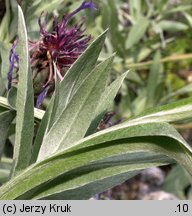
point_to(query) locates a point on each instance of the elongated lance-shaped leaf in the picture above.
(94, 188)
(106, 102)
(110, 18)
(4, 27)
(171, 26)
(184, 90)
(79, 71)
(173, 112)
(12, 97)
(35, 8)
(4, 51)
(97, 179)
(137, 32)
(72, 80)
(5, 121)
(24, 103)
(153, 80)
(55, 100)
(47, 120)
(105, 154)
(179, 8)
(74, 121)
(41, 131)
(188, 18)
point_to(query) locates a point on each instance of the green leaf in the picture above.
(153, 80)
(78, 72)
(47, 121)
(145, 52)
(55, 101)
(69, 85)
(4, 27)
(137, 32)
(2, 86)
(93, 188)
(41, 131)
(38, 6)
(188, 18)
(106, 102)
(108, 153)
(172, 26)
(172, 112)
(5, 121)
(88, 183)
(139, 103)
(177, 181)
(180, 8)
(184, 90)
(4, 175)
(135, 8)
(12, 97)
(4, 50)
(110, 19)
(24, 103)
(74, 121)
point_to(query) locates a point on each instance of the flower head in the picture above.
(41, 96)
(60, 46)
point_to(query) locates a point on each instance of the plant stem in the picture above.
(6, 160)
(37, 112)
(163, 60)
(183, 126)
(4, 103)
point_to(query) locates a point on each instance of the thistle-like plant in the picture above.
(60, 46)
(67, 158)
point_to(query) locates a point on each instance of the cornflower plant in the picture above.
(70, 157)
(62, 46)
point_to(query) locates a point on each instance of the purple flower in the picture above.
(62, 46)
(14, 61)
(41, 96)
(83, 6)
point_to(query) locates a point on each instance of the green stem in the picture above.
(6, 160)
(37, 112)
(4, 103)
(166, 59)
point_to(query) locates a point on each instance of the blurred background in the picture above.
(153, 40)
